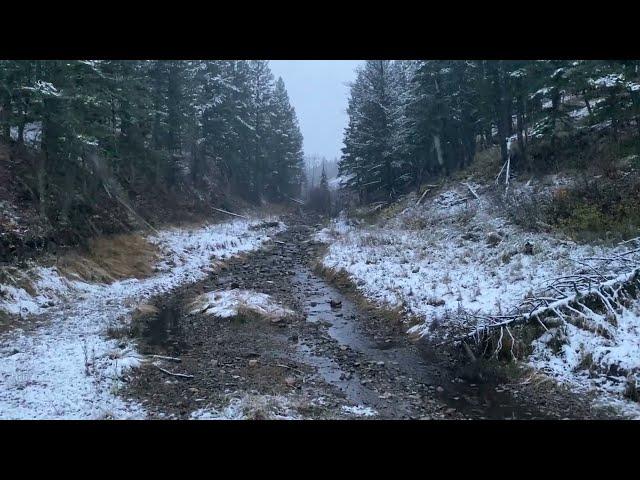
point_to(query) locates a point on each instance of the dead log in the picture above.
(554, 308)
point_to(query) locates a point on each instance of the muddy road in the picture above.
(335, 358)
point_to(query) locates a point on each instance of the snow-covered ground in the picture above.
(271, 407)
(68, 368)
(359, 411)
(454, 257)
(227, 303)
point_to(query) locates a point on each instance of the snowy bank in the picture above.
(68, 368)
(453, 258)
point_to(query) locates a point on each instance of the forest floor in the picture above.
(236, 322)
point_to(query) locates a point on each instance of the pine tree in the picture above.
(325, 194)
(370, 137)
(284, 146)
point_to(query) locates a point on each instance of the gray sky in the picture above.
(318, 92)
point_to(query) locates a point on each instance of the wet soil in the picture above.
(332, 355)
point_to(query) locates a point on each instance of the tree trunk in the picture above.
(5, 126)
(503, 117)
(520, 129)
(586, 102)
(41, 175)
(23, 123)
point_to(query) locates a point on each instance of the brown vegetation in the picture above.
(111, 258)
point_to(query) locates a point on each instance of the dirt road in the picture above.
(333, 359)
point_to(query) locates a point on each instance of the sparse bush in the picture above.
(586, 363)
(118, 331)
(631, 388)
(557, 341)
(598, 209)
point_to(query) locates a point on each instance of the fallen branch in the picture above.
(170, 359)
(181, 375)
(554, 308)
(636, 239)
(423, 195)
(231, 213)
(300, 202)
(473, 192)
(500, 173)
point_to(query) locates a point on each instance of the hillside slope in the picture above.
(458, 263)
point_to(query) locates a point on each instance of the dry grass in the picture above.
(111, 258)
(18, 278)
(395, 317)
(485, 166)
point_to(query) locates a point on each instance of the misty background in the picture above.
(319, 90)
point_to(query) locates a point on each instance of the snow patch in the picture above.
(268, 407)
(227, 303)
(359, 411)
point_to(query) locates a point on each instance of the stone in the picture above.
(528, 248)
(493, 239)
(335, 303)
(435, 302)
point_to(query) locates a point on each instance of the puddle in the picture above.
(331, 373)
(164, 330)
(475, 400)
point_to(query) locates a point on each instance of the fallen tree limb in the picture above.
(231, 213)
(300, 202)
(555, 308)
(170, 359)
(422, 196)
(181, 375)
(636, 239)
(473, 192)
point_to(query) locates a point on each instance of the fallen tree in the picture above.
(588, 299)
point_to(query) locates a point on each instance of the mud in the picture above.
(333, 355)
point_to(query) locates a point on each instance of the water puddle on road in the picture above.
(484, 400)
(164, 330)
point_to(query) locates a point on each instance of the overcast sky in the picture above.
(318, 92)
